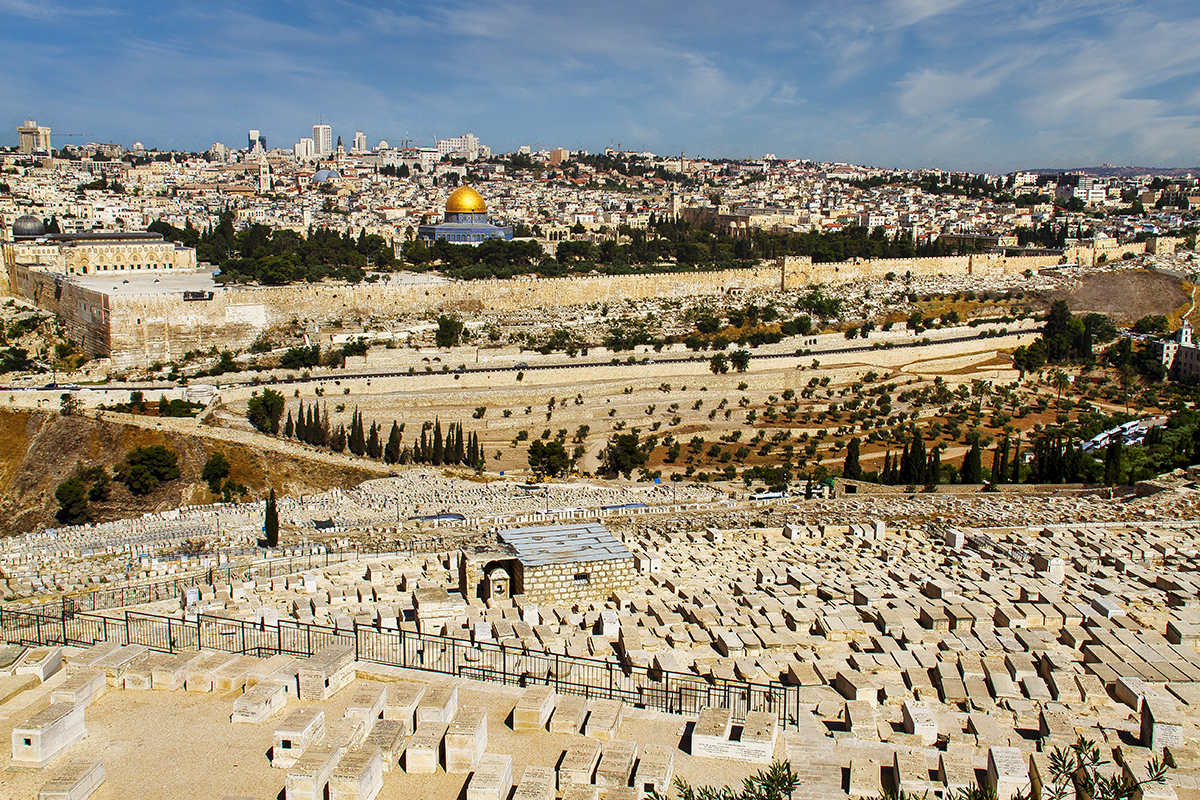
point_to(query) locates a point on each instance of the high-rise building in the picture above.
(360, 143)
(33, 138)
(465, 146)
(322, 140)
(304, 150)
(252, 139)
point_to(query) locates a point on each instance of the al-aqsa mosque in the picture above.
(466, 221)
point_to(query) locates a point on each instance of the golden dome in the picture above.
(465, 200)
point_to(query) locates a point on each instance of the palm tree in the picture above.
(1060, 381)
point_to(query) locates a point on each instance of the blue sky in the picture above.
(956, 84)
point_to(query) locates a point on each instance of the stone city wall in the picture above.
(148, 328)
(85, 313)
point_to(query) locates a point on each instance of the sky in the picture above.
(950, 84)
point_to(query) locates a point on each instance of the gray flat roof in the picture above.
(544, 545)
(126, 283)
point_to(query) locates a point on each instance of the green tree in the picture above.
(718, 364)
(548, 458)
(623, 455)
(740, 359)
(449, 331)
(265, 410)
(271, 521)
(391, 453)
(72, 501)
(145, 468)
(852, 469)
(972, 469)
(216, 469)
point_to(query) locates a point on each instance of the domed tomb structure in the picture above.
(466, 221)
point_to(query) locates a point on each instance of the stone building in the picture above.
(550, 563)
(1179, 354)
(92, 253)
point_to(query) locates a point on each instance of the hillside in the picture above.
(43, 449)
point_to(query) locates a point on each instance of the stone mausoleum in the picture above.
(466, 221)
(549, 563)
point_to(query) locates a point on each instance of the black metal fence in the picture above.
(672, 692)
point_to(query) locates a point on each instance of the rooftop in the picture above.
(564, 544)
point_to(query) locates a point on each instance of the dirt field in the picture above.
(43, 449)
(1126, 296)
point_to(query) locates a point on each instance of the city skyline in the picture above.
(906, 83)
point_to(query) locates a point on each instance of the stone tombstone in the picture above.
(1008, 774)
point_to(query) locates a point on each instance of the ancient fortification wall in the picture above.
(139, 330)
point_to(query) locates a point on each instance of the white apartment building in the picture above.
(360, 143)
(304, 150)
(465, 146)
(322, 140)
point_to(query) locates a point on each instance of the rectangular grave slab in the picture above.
(90, 656)
(466, 739)
(579, 763)
(1008, 773)
(655, 769)
(80, 688)
(492, 779)
(326, 673)
(388, 735)
(1162, 725)
(439, 704)
(138, 679)
(759, 732)
(423, 755)
(232, 676)
(299, 730)
(115, 663)
(865, 781)
(202, 671)
(710, 735)
(912, 772)
(533, 709)
(75, 780)
(604, 718)
(274, 668)
(367, 703)
(580, 791)
(569, 712)
(955, 771)
(309, 778)
(170, 672)
(920, 722)
(616, 763)
(41, 662)
(259, 703)
(47, 734)
(358, 775)
(402, 701)
(537, 783)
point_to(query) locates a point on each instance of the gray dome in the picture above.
(28, 227)
(326, 175)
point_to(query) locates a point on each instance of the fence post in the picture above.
(37, 623)
(356, 650)
(242, 626)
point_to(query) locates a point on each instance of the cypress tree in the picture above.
(972, 471)
(391, 453)
(916, 457)
(338, 441)
(1016, 460)
(301, 433)
(1001, 475)
(460, 454)
(421, 453)
(887, 468)
(288, 427)
(325, 429)
(852, 469)
(933, 472)
(374, 446)
(439, 447)
(312, 427)
(271, 521)
(358, 444)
